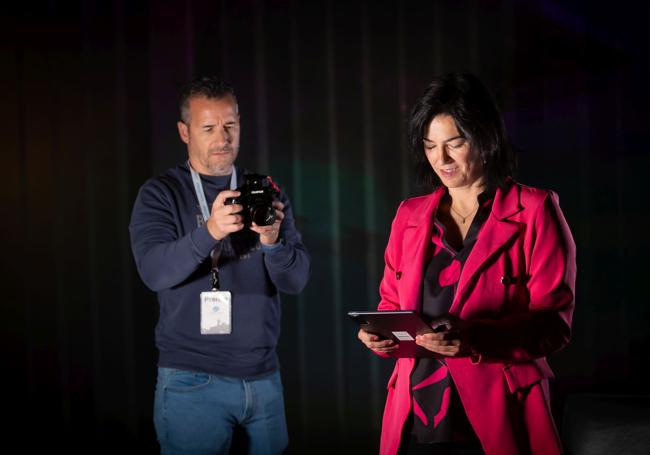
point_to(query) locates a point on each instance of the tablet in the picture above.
(400, 326)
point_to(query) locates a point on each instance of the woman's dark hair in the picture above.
(210, 87)
(467, 101)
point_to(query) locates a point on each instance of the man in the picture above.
(217, 278)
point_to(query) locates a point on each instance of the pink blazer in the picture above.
(516, 290)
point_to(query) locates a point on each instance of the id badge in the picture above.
(216, 313)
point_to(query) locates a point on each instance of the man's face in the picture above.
(212, 135)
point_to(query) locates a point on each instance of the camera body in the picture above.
(256, 197)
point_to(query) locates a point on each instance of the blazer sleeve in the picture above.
(546, 325)
(388, 292)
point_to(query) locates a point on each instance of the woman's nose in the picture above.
(443, 157)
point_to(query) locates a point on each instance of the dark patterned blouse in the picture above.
(438, 415)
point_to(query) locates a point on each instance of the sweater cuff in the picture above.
(275, 246)
(203, 241)
(279, 254)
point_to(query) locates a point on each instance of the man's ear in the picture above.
(183, 132)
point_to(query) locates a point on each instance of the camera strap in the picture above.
(205, 211)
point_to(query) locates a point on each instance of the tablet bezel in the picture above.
(392, 324)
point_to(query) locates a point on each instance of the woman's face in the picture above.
(451, 155)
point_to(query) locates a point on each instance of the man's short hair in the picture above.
(210, 87)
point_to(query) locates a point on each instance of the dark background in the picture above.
(88, 114)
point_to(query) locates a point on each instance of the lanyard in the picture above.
(200, 195)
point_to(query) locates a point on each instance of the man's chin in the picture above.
(221, 159)
(222, 167)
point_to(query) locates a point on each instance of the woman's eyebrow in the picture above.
(446, 140)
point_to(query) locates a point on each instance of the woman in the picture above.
(492, 264)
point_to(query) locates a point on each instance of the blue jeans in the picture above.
(196, 413)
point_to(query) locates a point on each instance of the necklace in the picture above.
(463, 218)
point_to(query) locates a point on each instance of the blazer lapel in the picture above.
(496, 232)
(414, 250)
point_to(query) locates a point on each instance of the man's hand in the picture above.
(224, 219)
(376, 343)
(269, 234)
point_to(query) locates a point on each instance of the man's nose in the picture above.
(223, 137)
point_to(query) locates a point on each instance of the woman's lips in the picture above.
(449, 172)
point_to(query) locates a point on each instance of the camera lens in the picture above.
(263, 216)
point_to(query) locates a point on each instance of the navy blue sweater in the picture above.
(172, 254)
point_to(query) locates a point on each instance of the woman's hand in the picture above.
(376, 343)
(449, 338)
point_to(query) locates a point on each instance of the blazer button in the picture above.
(505, 280)
(398, 275)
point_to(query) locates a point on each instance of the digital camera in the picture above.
(256, 196)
